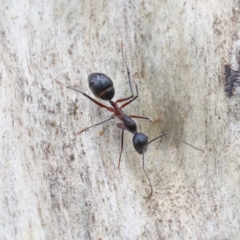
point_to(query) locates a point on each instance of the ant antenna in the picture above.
(147, 177)
(179, 139)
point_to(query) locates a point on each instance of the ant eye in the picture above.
(91, 83)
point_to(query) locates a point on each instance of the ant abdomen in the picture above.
(101, 86)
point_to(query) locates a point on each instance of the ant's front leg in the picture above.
(122, 127)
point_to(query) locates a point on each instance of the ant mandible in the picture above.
(102, 87)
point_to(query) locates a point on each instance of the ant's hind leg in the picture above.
(84, 94)
(112, 117)
(130, 85)
(128, 73)
(146, 118)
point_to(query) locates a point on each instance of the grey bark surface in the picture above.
(56, 184)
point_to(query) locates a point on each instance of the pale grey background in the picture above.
(59, 185)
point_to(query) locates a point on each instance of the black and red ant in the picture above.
(102, 87)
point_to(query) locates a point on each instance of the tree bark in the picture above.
(57, 184)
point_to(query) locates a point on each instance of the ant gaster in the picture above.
(102, 87)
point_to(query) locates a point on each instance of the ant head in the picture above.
(101, 86)
(140, 142)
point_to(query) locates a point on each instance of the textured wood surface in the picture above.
(56, 184)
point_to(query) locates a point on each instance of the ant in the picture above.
(102, 87)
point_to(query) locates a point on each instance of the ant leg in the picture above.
(134, 116)
(129, 81)
(128, 73)
(122, 127)
(147, 177)
(125, 104)
(179, 139)
(121, 151)
(96, 102)
(125, 99)
(112, 117)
